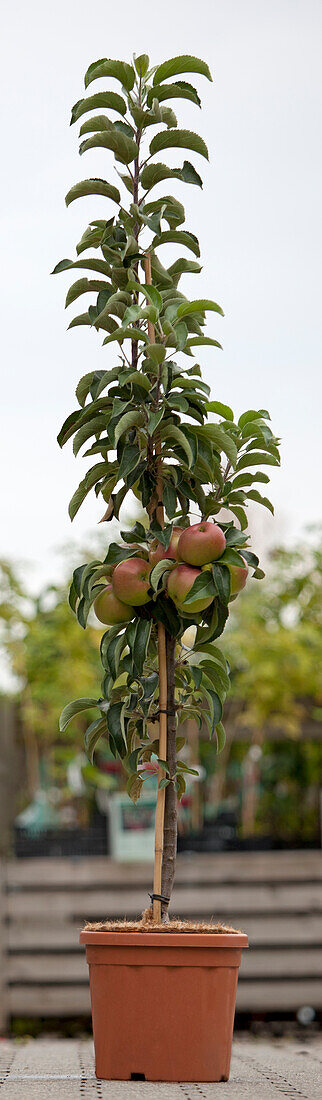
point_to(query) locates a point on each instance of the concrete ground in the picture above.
(39, 1068)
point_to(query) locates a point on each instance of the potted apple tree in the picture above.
(148, 426)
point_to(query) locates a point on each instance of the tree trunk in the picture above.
(170, 815)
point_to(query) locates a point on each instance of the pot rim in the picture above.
(164, 939)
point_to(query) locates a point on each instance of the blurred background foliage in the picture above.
(274, 642)
(266, 781)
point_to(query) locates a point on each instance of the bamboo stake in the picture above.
(162, 663)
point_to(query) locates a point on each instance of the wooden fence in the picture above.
(276, 897)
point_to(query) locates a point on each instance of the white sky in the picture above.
(258, 221)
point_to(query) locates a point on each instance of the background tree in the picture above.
(275, 644)
(44, 656)
(148, 421)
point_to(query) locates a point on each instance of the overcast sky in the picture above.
(258, 220)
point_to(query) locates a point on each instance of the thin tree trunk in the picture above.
(170, 813)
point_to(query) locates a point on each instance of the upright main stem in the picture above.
(170, 813)
(163, 693)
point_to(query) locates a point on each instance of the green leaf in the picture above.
(171, 432)
(221, 737)
(129, 461)
(222, 410)
(131, 419)
(93, 735)
(180, 90)
(251, 414)
(113, 653)
(256, 459)
(248, 479)
(117, 553)
(98, 122)
(83, 609)
(221, 440)
(155, 173)
(106, 641)
(120, 70)
(185, 63)
(168, 117)
(90, 264)
(84, 487)
(142, 64)
(181, 266)
(115, 723)
(106, 377)
(111, 100)
(83, 387)
(233, 536)
(123, 147)
(151, 294)
(169, 499)
(84, 286)
(154, 420)
(198, 306)
(85, 432)
(166, 613)
(141, 642)
(198, 340)
(121, 334)
(74, 708)
(202, 586)
(183, 767)
(218, 675)
(81, 319)
(156, 352)
(231, 557)
(181, 236)
(134, 787)
(92, 187)
(115, 303)
(160, 570)
(180, 786)
(207, 633)
(254, 495)
(212, 651)
(179, 139)
(240, 515)
(134, 534)
(251, 558)
(221, 577)
(137, 378)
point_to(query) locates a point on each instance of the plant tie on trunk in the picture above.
(159, 897)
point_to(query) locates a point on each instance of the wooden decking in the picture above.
(275, 897)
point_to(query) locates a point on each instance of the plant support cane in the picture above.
(148, 425)
(162, 667)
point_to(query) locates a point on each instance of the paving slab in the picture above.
(39, 1068)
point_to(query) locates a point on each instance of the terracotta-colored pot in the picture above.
(163, 1003)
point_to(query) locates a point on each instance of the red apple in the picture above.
(158, 553)
(238, 577)
(201, 543)
(180, 582)
(131, 581)
(110, 610)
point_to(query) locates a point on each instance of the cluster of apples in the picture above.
(193, 548)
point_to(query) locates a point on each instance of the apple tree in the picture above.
(148, 425)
